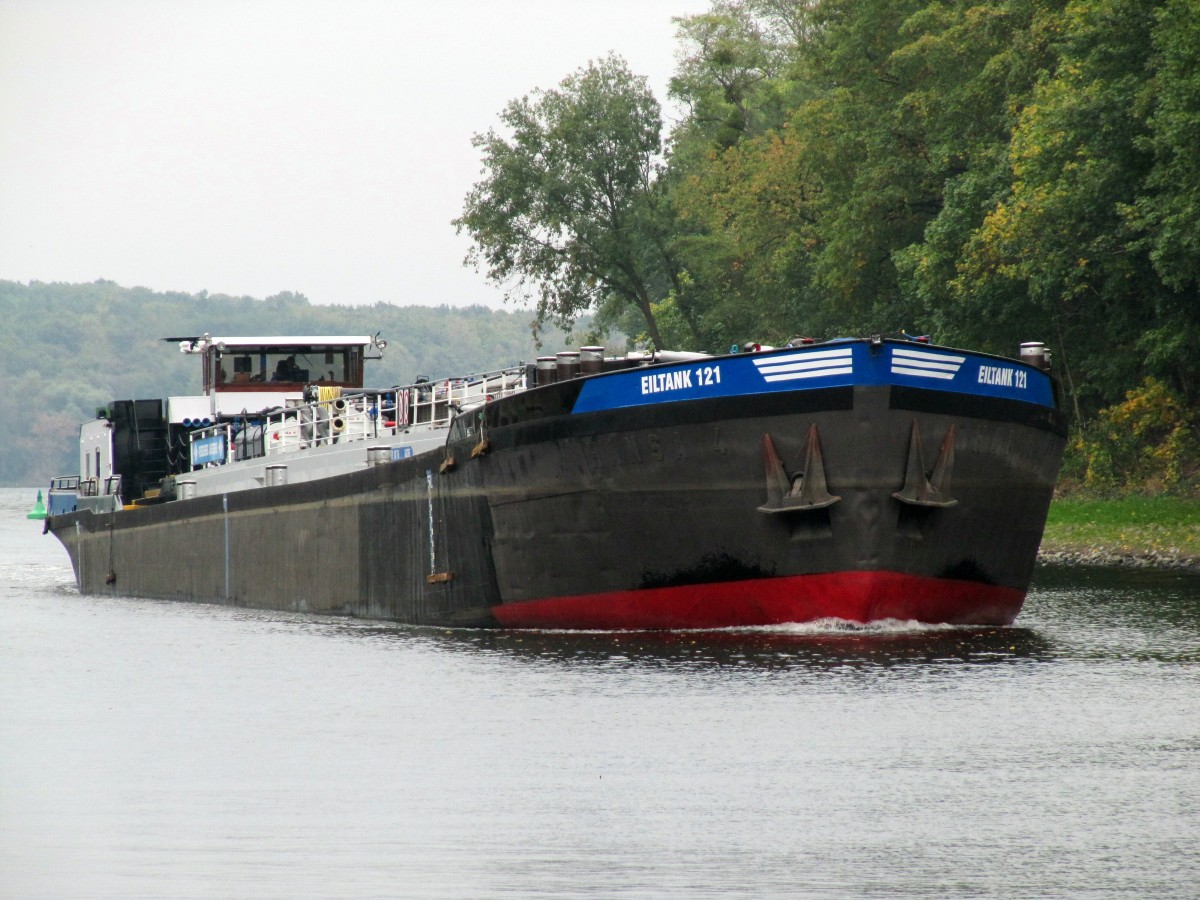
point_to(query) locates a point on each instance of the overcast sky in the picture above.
(258, 146)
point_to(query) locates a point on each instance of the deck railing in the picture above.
(350, 416)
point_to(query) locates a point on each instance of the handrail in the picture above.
(357, 415)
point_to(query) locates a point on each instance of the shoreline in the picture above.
(1057, 554)
(1144, 532)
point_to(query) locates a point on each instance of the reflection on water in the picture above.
(819, 646)
(1118, 613)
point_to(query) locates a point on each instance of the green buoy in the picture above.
(39, 509)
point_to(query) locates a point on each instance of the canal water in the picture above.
(159, 749)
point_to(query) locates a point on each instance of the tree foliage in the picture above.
(568, 210)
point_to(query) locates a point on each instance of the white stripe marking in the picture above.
(810, 355)
(811, 373)
(921, 373)
(801, 366)
(922, 364)
(934, 357)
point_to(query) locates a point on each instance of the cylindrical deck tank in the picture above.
(547, 370)
(591, 360)
(568, 364)
(1034, 353)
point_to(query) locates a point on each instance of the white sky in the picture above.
(257, 146)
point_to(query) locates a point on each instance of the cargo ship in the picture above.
(864, 479)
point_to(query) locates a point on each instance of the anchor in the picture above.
(932, 490)
(807, 491)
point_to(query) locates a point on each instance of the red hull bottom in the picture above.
(854, 596)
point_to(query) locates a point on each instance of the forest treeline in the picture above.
(66, 349)
(983, 172)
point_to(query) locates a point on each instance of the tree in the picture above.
(974, 70)
(752, 207)
(569, 210)
(1055, 247)
(743, 189)
(1166, 216)
(830, 174)
(728, 73)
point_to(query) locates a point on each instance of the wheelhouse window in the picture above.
(258, 367)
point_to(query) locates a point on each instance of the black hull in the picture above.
(572, 519)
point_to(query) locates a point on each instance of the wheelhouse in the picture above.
(278, 365)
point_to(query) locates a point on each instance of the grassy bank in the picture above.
(1154, 530)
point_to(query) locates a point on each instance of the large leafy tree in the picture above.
(729, 72)
(817, 195)
(1054, 247)
(1166, 216)
(742, 188)
(973, 72)
(569, 210)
